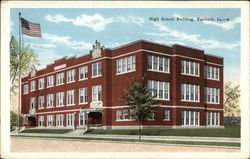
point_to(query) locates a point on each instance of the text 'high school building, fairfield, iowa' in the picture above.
(75, 92)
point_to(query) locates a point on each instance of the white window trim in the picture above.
(39, 88)
(73, 98)
(212, 90)
(49, 77)
(73, 120)
(43, 102)
(164, 119)
(60, 118)
(211, 72)
(83, 96)
(126, 65)
(41, 116)
(189, 70)
(32, 83)
(82, 79)
(97, 66)
(158, 89)
(97, 93)
(158, 64)
(47, 117)
(62, 100)
(51, 106)
(74, 74)
(189, 118)
(27, 91)
(58, 84)
(185, 100)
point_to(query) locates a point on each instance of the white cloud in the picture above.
(96, 22)
(194, 38)
(11, 25)
(224, 25)
(45, 46)
(137, 20)
(67, 40)
(169, 42)
(57, 19)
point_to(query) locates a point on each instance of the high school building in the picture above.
(74, 92)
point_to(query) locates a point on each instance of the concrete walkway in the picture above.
(77, 134)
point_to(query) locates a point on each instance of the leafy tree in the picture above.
(231, 101)
(13, 119)
(140, 101)
(28, 59)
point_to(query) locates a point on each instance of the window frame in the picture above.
(97, 67)
(70, 97)
(83, 93)
(155, 64)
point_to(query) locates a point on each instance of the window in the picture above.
(211, 72)
(96, 69)
(212, 95)
(166, 115)
(118, 115)
(33, 103)
(50, 100)
(82, 119)
(50, 120)
(96, 93)
(83, 95)
(126, 64)
(83, 72)
(190, 118)
(71, 97)
(70, 76)
(60, 78)
(50, 81)
(33, 85)
(160, 90)
(59, 99)
(40, 102)
(212, 118)
(157, 63)
(41, 83)
(59, 119)
(190, 92)
(25, 89)
(125, 115)
(41, 121)
(190, 68)
(70, 119)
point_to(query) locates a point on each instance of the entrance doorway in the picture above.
(95, 118)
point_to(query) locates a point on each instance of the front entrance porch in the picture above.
(29, 121)
(90, 118)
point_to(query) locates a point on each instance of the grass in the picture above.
(228, 131)
(50, 131)
(146, 141)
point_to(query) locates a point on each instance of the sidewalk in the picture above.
(77, 134)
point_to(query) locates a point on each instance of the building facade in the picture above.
(74, 92)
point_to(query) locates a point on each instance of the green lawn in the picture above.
(50, 131)
(229, 131)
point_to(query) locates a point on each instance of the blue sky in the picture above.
(69, 32)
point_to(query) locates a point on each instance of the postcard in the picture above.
(144, 79)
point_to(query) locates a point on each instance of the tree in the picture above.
(28, 59)
(13, 119)
(140, 101)
(231, 101)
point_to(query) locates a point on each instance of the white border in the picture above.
(5, 102)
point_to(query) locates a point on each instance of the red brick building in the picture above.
(78, 91)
